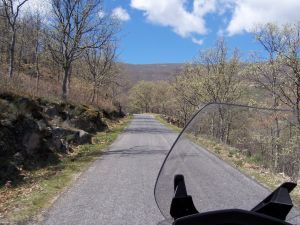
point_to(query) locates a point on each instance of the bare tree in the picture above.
(221, 82)
(266, 74)
(290, 83)
(3, 35)
(212, 77)
(280, 75)
(101, 66)
(76, 26)
(188, 85)
(11, 12)
(37, 43)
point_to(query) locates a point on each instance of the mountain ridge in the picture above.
(150, 72)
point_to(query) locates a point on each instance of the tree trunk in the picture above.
(12, 54)
(221, 125)
(212, 126)
(228, 129)
(69, 78)
(94, 92)
(37, 73)
(276, 132)
(20, 57)
(277, 147)
(65, 85)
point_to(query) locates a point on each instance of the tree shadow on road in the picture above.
(148, 131)
(142, 150)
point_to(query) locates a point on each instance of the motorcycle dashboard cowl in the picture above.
(229, 217)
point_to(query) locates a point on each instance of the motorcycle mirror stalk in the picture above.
(272, 210)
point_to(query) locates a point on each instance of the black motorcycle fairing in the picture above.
(276, 206)
(182, 203)
(229, 217)
(279, 203)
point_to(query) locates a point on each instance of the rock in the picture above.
(27, 134)
(29, 106)
(90, 121)
(7, 141)
(8, 172)
(42, 125)
(76, 110)
(51, 112)
(31, 142)
(72, 136)
(18, 158)
(83, 137)
(58, 145)
(6, 122)
(63, 137)
(56, 111)
(45, 132)
(59, 141)
(81, 123)
(113, 114)
(62, 133)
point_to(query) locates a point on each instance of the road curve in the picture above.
(118, 187)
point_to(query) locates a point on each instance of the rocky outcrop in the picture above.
(34, 133)
(89, 123)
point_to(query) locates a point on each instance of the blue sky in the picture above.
(144, 42)
(174, 31)
(151, 32)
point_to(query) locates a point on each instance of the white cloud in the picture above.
(197, 41)
(249, 13)
(238, 15)
(120, 14)
(201, 8)
(174, 14)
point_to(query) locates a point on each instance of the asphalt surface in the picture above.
(118, 188)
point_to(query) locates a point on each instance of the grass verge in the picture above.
(25, 202)
(169, 125)
(247, 165)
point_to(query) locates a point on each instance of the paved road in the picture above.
(118, 188)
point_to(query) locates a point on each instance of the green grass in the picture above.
(25, 202)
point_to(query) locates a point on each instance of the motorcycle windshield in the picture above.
(223, 150)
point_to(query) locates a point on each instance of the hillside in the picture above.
(150, 72)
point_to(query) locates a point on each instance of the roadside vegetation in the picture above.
(271, 79)
(165, 120)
